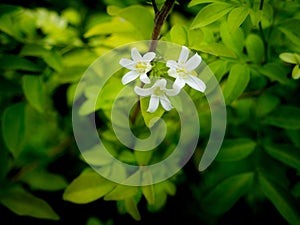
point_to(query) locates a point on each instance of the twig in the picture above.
(160, 18)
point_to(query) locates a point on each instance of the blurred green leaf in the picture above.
(282, 200)
(286, 154)
(43, 180)
(296, 72)
(179, 34)
(34, 91)
(284, 117)
(210, 14)
(216, 202)
(237, 81)
(141, 18)
(116, 25)
(237, 16)
(290, 57)
(265, 104)
(13, 127)
(149, 193)
(275, 72)
(255, 48)
(131, 208)
(197, 2)
(6, 9)
(14, 62)
(87, 187)
(23, 203)
(49, 56)
(235, 149)
(234, 40)
(121, 192)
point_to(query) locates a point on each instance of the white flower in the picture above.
(139, 66)
(158, 94)
(182, 71)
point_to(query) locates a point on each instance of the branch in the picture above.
(160, 18)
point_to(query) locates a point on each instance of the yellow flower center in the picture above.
(157, 91)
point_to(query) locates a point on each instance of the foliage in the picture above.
(251, 46)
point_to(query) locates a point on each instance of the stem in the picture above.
(160, 18)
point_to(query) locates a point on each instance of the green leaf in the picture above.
(161, 191)
(116, 25)
(43, 180)
(210, 14)
(296, 190)
(149, 193)
(265, 104)
(296, 72)
(285, 154)
(255, 48)
(197, 2)
(236, 149)
(23, 203)
(121, 192)
(216, 202)
(140, 17)
(179, 34)
(284, 117)
(150, 118)
(233, 40)
(288, 57)
(281, 199)
(93, 221)
(131, 208)
(237, 81)
(6, 9)
(236, 17)
(216, 49)
(13, 62)
(13, 127)
(49, 56)
(34, 91)
(275, 72)
(87, 187)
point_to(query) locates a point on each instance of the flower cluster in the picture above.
(182, 70)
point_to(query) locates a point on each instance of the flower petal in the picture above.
(179, 83)
(172, 73)
(143, 91)
(136, 56)
(193, 62)
(173, 91)
(161, 83)
(184, 54)
(128, 77)
(172, 64)
(165, 103)
(149, 56)
(127, 63)
(144, 78)
(153, 104)
(196, 83)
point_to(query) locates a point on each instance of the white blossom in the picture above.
(158, 93)
(139, 66)
(182, 71)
